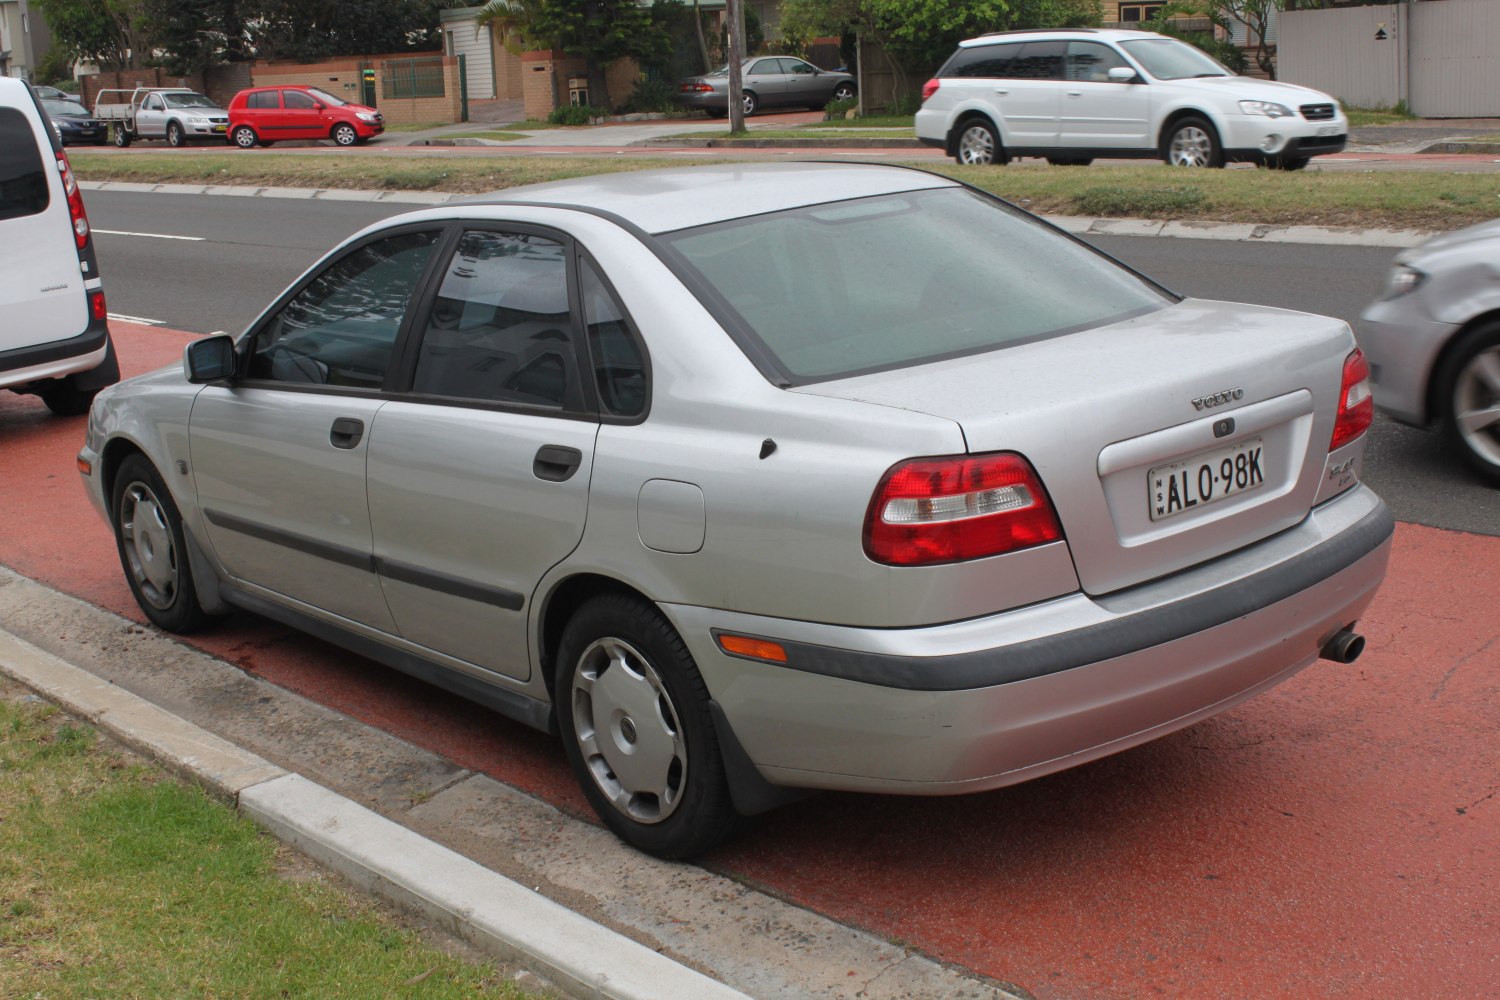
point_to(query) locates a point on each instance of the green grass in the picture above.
(118, 881)
(869, 121)
(1359, 117)
(1385, 199)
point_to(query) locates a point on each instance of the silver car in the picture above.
(767, 82)
(1433, 338)
(751, 479)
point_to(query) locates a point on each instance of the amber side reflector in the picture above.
(85, 466)
(756, 649)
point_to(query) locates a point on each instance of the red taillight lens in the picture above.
(97, 306)
(1356, 401)
(697, 88)
(75, 202)
(944, 510)
(930, 87)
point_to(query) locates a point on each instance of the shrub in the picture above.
(652, 95)
(575, 114)
(1140, 202)
(838, 109)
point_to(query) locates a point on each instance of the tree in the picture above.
(317, 29)
(107, 32)
(1256, 16)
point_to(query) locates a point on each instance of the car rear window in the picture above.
(23, 177)
(848, 287)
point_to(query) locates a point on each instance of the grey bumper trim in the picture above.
(1120, 637)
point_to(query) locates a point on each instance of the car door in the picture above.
(1029, 98)
(803, 85)
(766, 79)
(479, 476)
(151, 118)
(1097, 112)
(279, 454)
(301, 116)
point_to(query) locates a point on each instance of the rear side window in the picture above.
(266, 100)
(1039, 61)
(981, 61)
(23, 177)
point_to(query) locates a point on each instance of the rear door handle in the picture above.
(556, 463)
(1075, 93)
(346, 433)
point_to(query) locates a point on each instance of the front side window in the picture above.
(796, 67)
(296, 100)
(1091, 62)
(1169, 59)
(153, 103)
(501, 328)
(897, 280)
(23, 178)
(341, 328)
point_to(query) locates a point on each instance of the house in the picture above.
(24, 39)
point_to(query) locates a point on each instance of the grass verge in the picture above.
(1359, 117)
(869, 121)
(116, 880)
(1390, 200)
(500, 136)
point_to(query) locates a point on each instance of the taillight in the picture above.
(97, 306)
(697, 88)
(1356, 401)
(931, 87)
(75, 202)
(944, 510)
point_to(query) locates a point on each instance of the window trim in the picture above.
(581, 254)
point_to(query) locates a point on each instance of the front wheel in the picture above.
(1192, 142)
(635, 722)
(978, 145)
(153, 549)
(243, 136)
(344, 135)
(1469, 393)
(175, 136)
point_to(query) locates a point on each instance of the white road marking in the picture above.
(154, 236)
(143, 321)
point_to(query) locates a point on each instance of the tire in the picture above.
(843, 92)
(122, 136)
(621, 668)
(716, 112)
(978, 145)
(153, 550)
(243, 137)
(1468, 385)
(343, 134)
(1070, 161)
(64, 398)
(748, 103)
(1192, 142)
(175, 135)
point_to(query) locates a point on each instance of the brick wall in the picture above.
(224, 81)
(128, 79)
(544, 81)
(343, 77)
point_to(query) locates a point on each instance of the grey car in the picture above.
(767, 82)
(1433, 338)
(752, 479)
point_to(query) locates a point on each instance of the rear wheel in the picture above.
(64, 398)
(635, 722)
(748, 103)
(243, 136)
(122, 136)
(978, 145)
(175, 136)
(153, 550)
(1192, 142)
(1469, 396)
(344, 134)
(843, 92)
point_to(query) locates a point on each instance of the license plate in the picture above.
(1204, 479)
(221, 128)
(1329, 130)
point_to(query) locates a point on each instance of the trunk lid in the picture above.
(1119, 418)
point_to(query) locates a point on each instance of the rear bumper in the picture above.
(90, 351)
(990, 702)
(714, 101)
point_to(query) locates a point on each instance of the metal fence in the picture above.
(412, 78)
(1441, 59)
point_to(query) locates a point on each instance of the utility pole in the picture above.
(735, 19)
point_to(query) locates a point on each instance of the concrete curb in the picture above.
(809, 143)
(1246, 232)
(1458, 146)
(497, 914)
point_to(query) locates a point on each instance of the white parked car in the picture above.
(1075, 94)
(54, 335)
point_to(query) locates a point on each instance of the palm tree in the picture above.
(514, 19)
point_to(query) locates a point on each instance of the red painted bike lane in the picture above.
(1336, 837)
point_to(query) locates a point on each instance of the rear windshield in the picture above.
(23, 178)
(897, 280)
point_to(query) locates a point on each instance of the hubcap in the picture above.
(244, 138)
(747, 103)
(977, 145)
(628, 730)
(344, 136)
(1191, 147)
(1476, 405)
(146, 540)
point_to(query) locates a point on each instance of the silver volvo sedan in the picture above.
(748, 480)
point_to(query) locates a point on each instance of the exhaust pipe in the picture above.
(1344, 647)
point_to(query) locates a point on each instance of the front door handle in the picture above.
(346, 433)
(556, 463)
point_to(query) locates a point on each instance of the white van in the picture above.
(1072, 95)
(54, 334)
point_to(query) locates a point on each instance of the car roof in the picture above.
(661, 201)
(1054, 34)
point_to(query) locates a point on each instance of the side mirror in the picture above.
(1122, 74)
(209, 360)
(317, 106)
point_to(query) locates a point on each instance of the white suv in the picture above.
(1071, 95)
(54, 335)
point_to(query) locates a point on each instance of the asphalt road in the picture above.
(243, 251)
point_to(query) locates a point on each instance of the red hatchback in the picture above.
(263, 115)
